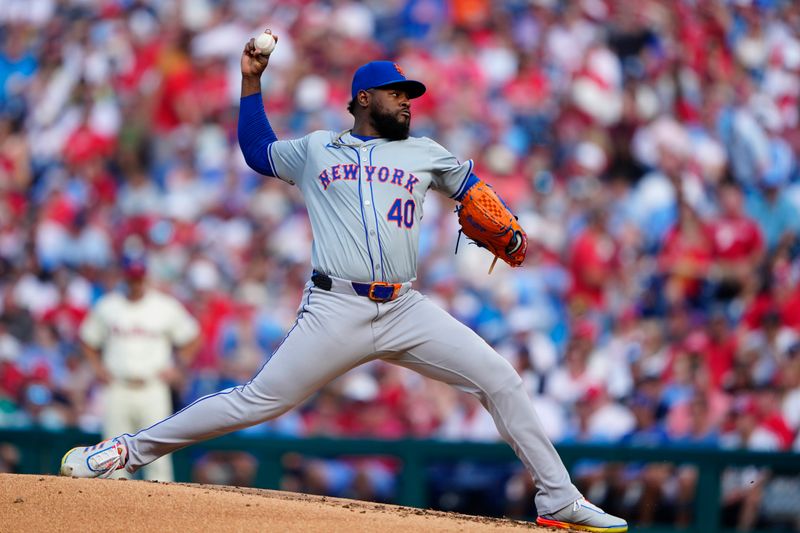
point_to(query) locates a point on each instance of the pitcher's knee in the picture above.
(507, 383)
(499, 377)
(268, 405)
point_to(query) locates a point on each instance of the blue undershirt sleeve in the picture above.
(255, 134)
(471, 180)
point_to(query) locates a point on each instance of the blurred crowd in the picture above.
(649, 148)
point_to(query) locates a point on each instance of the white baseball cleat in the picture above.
(100, 460)
(584, 516)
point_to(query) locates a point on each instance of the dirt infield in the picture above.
(49, 503)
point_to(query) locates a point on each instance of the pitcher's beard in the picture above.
(389, 127)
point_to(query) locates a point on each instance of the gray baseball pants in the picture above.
(338, 330)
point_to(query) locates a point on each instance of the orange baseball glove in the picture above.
(486, 219)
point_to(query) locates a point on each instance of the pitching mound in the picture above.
(48, 503)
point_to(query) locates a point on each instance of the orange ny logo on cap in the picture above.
(398, 69)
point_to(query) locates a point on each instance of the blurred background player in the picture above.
(128, 338)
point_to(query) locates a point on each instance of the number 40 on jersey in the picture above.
(402, 213)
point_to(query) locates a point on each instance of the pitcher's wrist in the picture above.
(251, 84)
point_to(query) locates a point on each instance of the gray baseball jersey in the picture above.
(364, 199)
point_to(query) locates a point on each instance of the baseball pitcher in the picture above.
(364, 190)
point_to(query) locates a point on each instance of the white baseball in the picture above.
(265, 43)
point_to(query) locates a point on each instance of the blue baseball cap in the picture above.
(376, 74)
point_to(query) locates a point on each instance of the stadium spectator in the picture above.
(738, 244)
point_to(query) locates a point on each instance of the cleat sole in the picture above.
(580, 527)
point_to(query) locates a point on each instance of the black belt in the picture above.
(377, 291)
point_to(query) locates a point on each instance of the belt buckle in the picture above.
(378, 284)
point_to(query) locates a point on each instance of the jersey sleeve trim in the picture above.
(472, 179)
(461, 187)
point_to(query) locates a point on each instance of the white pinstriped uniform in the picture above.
(136, 339)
